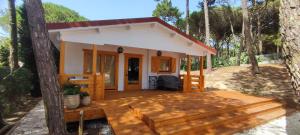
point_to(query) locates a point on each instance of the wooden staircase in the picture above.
(226, 120)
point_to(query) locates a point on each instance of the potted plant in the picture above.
(85, 98)
(71, 96)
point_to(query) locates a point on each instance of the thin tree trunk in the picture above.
(13, 55)
(207, 34)
(242, 43)
(2, 122)
(228, 49)
(187, 17)
(199, 30)
(289, 22)
(253, 61)
(258, 38)
(277, 51)
(52, 95)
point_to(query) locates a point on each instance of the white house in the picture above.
(126, 51)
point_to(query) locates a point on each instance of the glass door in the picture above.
(107, 65)
(133, 72)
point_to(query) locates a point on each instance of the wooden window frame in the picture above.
(99, 52)
(170, 64)
(85, 61)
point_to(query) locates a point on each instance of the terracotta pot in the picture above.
(86, 100)
(72, 101)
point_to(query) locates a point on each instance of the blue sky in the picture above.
(112, 9)
(115, 9)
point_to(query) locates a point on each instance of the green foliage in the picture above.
(4, 52)
(71, 89)
(84, 94)
(53, 13)
(167, 12)
(13, 88)
(4, 71)
(244, 58)
(272, 38)
(17, 83)
(59, 13)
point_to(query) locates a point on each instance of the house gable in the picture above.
(148, 33)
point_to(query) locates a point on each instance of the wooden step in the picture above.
(189, 117)
(238, 125)
(192, 115)
(206, 122)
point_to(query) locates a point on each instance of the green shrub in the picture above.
(244, 58)
(18, 82)
(4, 52)
(71, 89)
(4, 71)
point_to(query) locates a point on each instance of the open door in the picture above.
(133, 72)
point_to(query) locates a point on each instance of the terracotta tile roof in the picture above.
(66, 25)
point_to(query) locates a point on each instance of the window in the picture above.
(87, 62)
(165, 65)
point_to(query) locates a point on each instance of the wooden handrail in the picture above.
(196, 81)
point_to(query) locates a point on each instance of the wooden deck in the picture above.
(164, 112)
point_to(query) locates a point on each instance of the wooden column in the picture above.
(188, 75)
(62, 62)
(201, 80)
(94, 70)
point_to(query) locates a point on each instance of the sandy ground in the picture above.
(273, 81)
(287, 125)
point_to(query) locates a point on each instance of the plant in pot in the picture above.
(71, 96)
(85, 98)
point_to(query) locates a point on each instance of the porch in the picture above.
(165, 112)
(98, 69)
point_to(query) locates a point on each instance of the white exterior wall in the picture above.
(146, 36)
(74, 61)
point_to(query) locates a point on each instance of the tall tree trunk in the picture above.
(187, 7)
(253, 61)
(207, 34)
(13, 55)
(242, 43)
(52, 95)
(289, 22)
(256, 34)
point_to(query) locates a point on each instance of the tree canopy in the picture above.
(167, 12)
(53, 13)
(59, 13)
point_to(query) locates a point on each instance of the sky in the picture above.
(114, 9)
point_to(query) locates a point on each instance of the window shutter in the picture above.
(173, 65)
(154, 64)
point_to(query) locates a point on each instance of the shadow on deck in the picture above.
(166, 112)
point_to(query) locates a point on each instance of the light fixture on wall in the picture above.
(120, 49)
(159, 53)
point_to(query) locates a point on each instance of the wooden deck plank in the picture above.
(164, 112)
